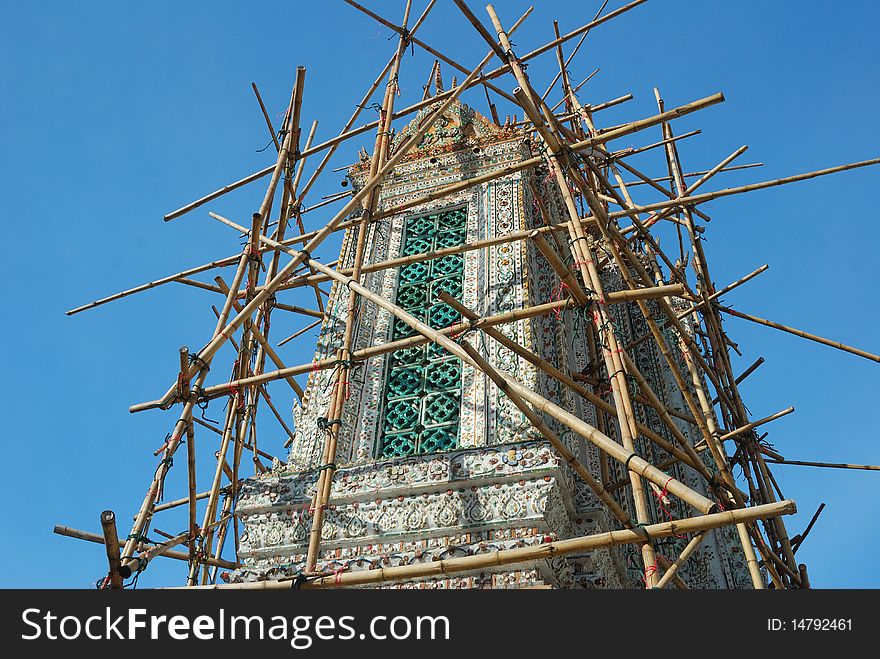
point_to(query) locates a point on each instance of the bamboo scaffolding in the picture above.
(583, 257)
(646, 446)
(629, 459)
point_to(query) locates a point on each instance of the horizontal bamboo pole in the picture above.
(176, 555)
(365, 353)
(800, 333)
(831, 465)
(703, 173)
(543, 551)
(178, 502)
(314, 313)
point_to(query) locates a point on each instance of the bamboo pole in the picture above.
(832, 465)
(727, 192)
(299, 332)
(190, 451)
(341, 384)
(755, 424)
(800, 333)
(685, 554)
(99, 539)
(111, 544)
(584, 259)
(179, 502)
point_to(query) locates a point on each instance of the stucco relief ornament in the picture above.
(414, 519)
(477, 512)
(356, 527)
(446, 514)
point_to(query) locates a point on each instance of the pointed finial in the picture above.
(438, 80)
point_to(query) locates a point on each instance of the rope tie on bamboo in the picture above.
(202, 403)
(139, 538)
(270, 303)
(406, 40)
(626, 464)
(375, 107)
(662, 500)
(253, 253)
(160, 490)
(329, 465)
(279, 137)
(326, 424)
(557, 294)
(164, 446)
(472, 327)
(313, 508)
(235, 392)
(347, 363)
(198, 361)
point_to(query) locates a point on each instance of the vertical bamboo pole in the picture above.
(111, 545)
(343, 378)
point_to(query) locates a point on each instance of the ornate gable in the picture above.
(460, 127)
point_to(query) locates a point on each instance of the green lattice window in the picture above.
(422, 396)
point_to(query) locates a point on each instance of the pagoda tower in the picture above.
(433, 460)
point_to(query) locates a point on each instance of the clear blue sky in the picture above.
(114, 114)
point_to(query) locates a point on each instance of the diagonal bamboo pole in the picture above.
(629, 459)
